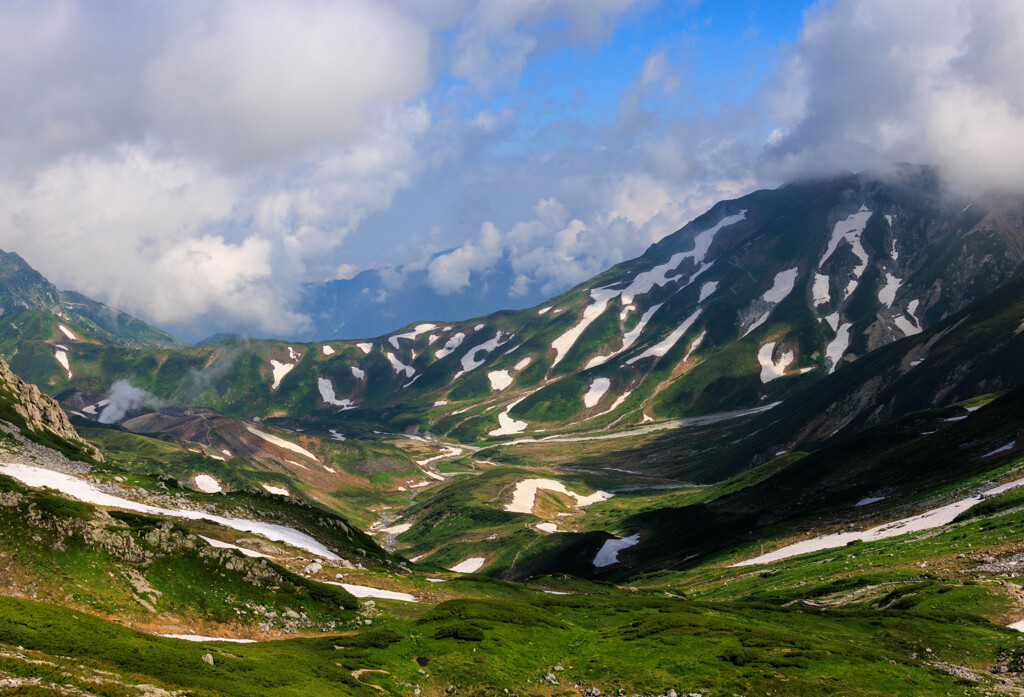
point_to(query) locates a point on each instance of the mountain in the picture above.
(22, 288)
(375, 302)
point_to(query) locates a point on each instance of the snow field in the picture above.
(280, 370)
(782, 286)
(598, 388)
(469, 566)
(282, 443)
(398, 366)
(450, 346)
(275, 490)
(937, 517)
(500, 379)
(67, 332)
(227, 545)
(327, 394)
(837, 347)
(887, 294)
(525, 494)
(707, 290)
(61, 354)
(358, 374)
(820, 290)
(666, 344)
(772, 370)
(609, 552)
(87, 492)
(207, 484)
(370, 592)
(470, 360)
(328, 350)
(419, 329)
(365, 347)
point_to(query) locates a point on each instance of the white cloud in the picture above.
(265, 78)
(450, 272)
(934, 81)
(138, 230)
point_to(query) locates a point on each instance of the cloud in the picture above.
(125, 398)
(138, 229)
(265, 78)
(869, 83)
(450, 272)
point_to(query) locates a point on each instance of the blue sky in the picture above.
(194, 162)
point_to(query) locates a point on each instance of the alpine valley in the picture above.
(781, 452)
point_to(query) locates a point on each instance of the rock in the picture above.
(550, 677)
(208, 658)
(312, 568)
(671, 693)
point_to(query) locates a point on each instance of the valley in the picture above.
(781, 452)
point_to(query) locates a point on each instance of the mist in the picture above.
(125, 398)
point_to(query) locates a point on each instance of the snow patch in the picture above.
(694, 346)
(629, 339)
(282, 443)
(820, 289)
(227, 545)
(663, 347)
(600, 298)
(507, 426)
(335, 435)
(609, 552)
(928, 520)
(275, 489)
(207, 484)
(546, 527)
(398, 366)
(771, 370)
(328, 350)
(598, 388)
(450, 345)
(370, 592)
(887, 294)
(837, 347)
(1003, 449)
(523, 362)
(358, 374)
(833, 321)
(67, 332)
(85, 491)
(707, 290)
(782, 286)
(543, 310)
(758, 322)
(327, 394)
(525, 494)
(198, 637)
(906, 326)
(470, 360)
(869, 500)
(469, 566)
(280, 370)
(62, 358)
(365, 347)
(500, 379)
(440, 403)
(419, 329)
(397, 529)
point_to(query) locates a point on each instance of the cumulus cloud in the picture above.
(262, 78)
(870, 82)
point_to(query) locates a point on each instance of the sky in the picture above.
(194, 162)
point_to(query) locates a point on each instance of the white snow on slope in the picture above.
(328, 350)
(771, 370)
(327, 394)
(663, 347)
(609, 553)
(67, 332)
(695, 345)
(397, 529)
(543, 310)
(450, 451)
(280, 370)
(468, 566)
(85, 491)
(833, 321)
(420, 329)
(207, 484)
(546, 527)
(628, 339)
(525, 494)
(523, 362)
(782, 286)
(850, 229)
(869, 500)
(450, 345)
(820, 289)
(471, 361)
(911, 326)
(1008, 446)
(61, 354)
(358, 374)
(370, 592)
(597, 390)
(837, 347)
(398, 366)
(365, 347)
(600, 298)
(500, 379)
(282, 443)
(227, 545)
(642, 283)
(707, 290)
(934, 518)
(758, 322)
(275, 490)
(293, 354)
(507, 426)
(887, 294)
(201, 638)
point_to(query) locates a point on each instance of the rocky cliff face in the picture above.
(35, 413)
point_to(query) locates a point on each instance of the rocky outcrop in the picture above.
(38, 412)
